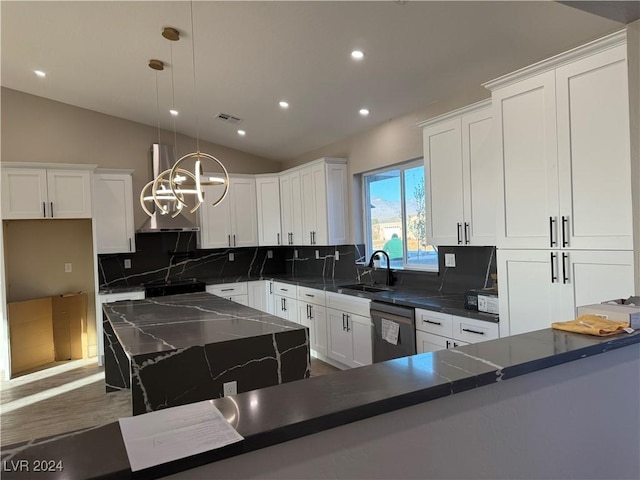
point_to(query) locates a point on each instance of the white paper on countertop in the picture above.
(390, 331)
(178, 432)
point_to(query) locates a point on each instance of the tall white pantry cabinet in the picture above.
(565, 226)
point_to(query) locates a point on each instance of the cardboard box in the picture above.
(70, 326)
(617, 312)
(30, 334)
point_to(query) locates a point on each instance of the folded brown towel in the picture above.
(591, 325)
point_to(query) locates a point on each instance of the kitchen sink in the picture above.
(365, 288)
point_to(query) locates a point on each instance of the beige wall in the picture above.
(35, 129)
(36, 251)
(394, 141)
(633, 54)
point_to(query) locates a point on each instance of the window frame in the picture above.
(366, 218)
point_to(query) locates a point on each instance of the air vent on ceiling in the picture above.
(225, 117)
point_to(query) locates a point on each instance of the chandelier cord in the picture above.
(195, 92)
(173, 102)
(158, 107)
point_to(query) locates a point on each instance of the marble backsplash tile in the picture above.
(175, 256)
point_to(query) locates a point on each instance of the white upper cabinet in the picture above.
(594, 152)
(324, 202)
(291, 208)
(233, 222)
(269, 218)
(563, 144)
(113, 212)
(461, 177)
(46, 192)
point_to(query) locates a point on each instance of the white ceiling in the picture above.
(250, 55)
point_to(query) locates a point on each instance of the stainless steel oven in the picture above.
(395, 331)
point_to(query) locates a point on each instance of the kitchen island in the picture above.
(181, 349)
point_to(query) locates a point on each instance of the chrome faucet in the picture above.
(389, 276)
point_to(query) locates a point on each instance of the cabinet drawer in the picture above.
(347, 303)
(473, 331)
(117, 297)
(228, 289)
(312, 295)
(434, 322)
(285, 289)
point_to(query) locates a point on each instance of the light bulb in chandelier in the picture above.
(167, 200)
(210, 180)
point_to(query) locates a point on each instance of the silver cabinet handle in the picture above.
(553, 274)
(343, 327)
(565, 225)
(467, 233)
(311, 238)
(310, 312)
(348, 323)
(284, 304)
(552, 242)
(227, 290)
(309, 295)
(271, 288)
(432, 322)
(234, 239)
(51, 209)
(448, 342)
(459, 230)
(44, 209)
(278, 236)
(130, 244)
(229, 239)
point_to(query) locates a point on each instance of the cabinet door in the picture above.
(215, 222)
(114, 213)
(529, 299)
(308, 205)
(269, 222)
(279, 308)
(319, 331)
(244, 215)
(593, 277)
(258, 291)
(69, 193)
(480, 179)
(339, 340)
(362, 337)
(525, 117)
(333, 212)
(428, 342)
(291, 203)
(24, 193)
(320, 229)
(593, 152)
(443, 166)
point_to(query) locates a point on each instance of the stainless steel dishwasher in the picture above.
(394, 331)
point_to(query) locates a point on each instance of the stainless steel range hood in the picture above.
(163, 158)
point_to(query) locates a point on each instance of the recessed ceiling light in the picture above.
(364, 112)
(173, 112)
(284, 104)
(242, 133)
(40, 73)
(357, 54)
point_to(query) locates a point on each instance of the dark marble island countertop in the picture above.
(180, 321)
(329, 401)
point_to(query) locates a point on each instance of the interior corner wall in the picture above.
(394, 141)
(35, 129)
(633, 56)
(35, 256)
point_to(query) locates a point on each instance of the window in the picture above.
(395, 216)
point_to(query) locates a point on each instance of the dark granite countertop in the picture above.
(429, 300)
(328, 401)
(179, 321)
(109, 290)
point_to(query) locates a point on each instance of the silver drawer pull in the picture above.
(472, 331)
(432, 322)
(227, 290)
(309, 295)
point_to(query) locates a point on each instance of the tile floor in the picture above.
(68, 396)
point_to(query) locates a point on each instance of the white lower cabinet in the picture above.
(539, 287)
(312, 313)
(350, 331)
(109, 298)
(439, 331)
(285, 307)
(236, 292)
(261, 295)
